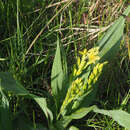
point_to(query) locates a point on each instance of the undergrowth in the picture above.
(28, 40)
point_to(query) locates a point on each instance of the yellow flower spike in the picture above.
(84, 87)
(74, 71)
(78, 61)
(95, 79)
(92, 55)
(77, 91)
(92, 76)
(101, 66)
(70, 100)
(78, 73)
(95, 71)
(80, 93)
(79, 86)
(82, 64)
(89, 81)
(84, 52)
(78, 80)
(94, 50)
(93, 58)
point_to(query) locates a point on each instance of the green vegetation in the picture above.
(64, 65)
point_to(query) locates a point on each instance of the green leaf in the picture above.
(110, 44)
(59, 75)
(56, 126)
(5, 119)
(43, 105)
(127, 11)
(10, 85)
(80, 113)
(73, 128)
(122, 117)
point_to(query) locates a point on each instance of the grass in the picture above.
(29, 31)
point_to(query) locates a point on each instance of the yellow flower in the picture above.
(84, 52)
(78, 61)
(74, 71)
(92, 55)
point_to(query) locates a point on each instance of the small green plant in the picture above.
(72, 96)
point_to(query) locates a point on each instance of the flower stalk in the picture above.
(79, 86)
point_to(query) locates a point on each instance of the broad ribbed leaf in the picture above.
(5, 119)
(122, 117)
(58, 75)
(43, 104)
(80, 113)
(10, 85)
(73, 128)
(110, 44)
